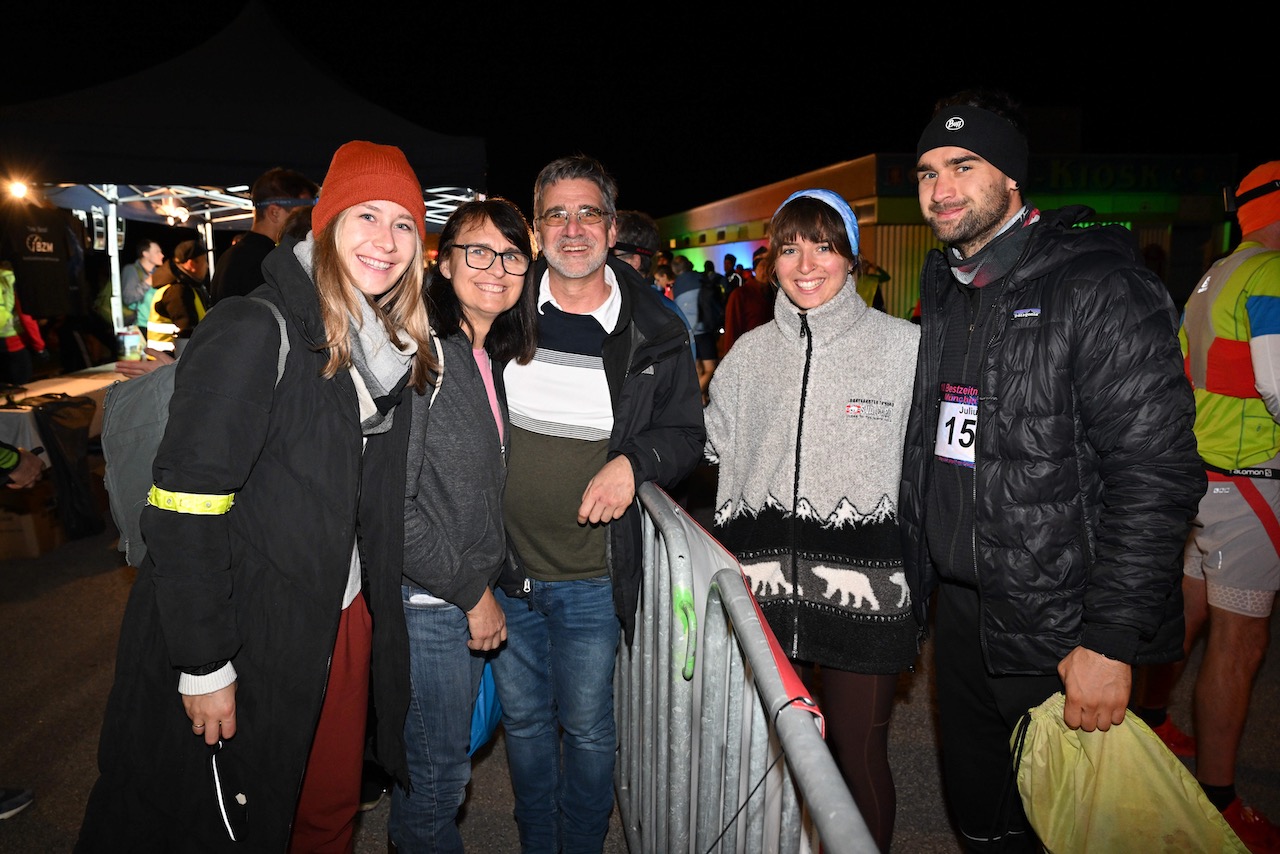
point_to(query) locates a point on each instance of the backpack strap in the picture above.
(284, 336)
(435, 340)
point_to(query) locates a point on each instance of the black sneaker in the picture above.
(14, 801)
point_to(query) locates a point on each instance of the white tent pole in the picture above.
(206, 232)
(113, 255)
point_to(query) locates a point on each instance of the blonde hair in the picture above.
(402, 309)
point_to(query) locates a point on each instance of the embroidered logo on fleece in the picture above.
(1025, 313)
(868, 407)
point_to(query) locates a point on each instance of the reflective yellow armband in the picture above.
(190, 502)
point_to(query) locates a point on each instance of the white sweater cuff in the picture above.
(210, 682)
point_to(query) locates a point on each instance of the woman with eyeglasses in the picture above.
(807, 421)
(455, 547)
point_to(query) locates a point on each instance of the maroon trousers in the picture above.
(330, 798)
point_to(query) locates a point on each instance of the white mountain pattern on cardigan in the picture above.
(844, 515)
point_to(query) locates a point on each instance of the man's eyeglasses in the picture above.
(585, 215)
(481, 258)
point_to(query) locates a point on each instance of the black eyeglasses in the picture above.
(585, 215)
(481, 258)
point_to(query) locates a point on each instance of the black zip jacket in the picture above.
(1086, 475)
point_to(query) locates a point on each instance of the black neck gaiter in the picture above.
(997, 258)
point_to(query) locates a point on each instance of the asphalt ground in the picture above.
(59, 622)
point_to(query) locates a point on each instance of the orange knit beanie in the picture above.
(363, 172)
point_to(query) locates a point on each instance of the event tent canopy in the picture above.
(95, 151)
(217, 133)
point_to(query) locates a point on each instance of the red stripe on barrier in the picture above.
(791, 681)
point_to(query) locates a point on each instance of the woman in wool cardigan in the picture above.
(807, 419)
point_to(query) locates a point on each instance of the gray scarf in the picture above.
(379, 369)
(997, 258)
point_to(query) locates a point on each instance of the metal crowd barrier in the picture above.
(720, 749)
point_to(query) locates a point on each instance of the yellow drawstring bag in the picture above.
(1105, 792)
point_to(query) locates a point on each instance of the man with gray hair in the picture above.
(609, 402)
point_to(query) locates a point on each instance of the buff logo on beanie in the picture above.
(987, 135)
(1263, 206)
(364, 172)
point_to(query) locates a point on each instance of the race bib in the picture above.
(957, 425)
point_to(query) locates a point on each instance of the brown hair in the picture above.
(401, 309)
(812, 220)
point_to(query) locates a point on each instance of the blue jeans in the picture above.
(444, 676)
(556, 672)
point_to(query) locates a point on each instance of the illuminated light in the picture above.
(172, 211)
(18, 190)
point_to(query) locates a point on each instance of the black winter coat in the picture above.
(261, 585)
(1086, 474)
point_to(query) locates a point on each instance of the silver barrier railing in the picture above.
(702, 681)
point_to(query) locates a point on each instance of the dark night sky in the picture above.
(686, 108)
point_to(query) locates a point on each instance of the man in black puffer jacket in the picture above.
(1050, 470)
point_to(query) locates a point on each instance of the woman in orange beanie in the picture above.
(274, 535)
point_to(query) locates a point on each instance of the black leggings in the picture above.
(856, 708)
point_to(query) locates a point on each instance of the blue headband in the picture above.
(837, 203)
